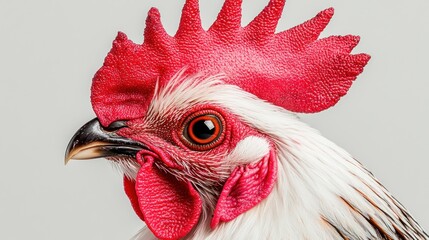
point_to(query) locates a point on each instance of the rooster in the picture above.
(202, 125)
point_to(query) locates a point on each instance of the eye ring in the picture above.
(203, 130)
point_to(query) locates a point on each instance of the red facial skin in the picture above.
(166, 192)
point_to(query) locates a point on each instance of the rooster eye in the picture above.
(203, 131)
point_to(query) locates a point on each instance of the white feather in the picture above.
(248, 150)
(321, 191)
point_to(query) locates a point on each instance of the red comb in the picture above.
(292, 69)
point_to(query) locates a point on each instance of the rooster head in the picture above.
(176, 112)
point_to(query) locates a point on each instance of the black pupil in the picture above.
(204, 129)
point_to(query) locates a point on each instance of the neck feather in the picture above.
(321, 191)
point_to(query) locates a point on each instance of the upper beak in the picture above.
(94, 141)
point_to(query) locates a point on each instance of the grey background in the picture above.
(49, 51)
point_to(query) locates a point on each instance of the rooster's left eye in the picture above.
(203, 131)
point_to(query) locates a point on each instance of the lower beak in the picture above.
(93, 141)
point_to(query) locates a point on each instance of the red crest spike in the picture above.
(155, 33)
(190, 23)
(292, 69)
(229, 18)
(264, 25)
(308, 31)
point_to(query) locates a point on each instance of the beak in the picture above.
(93, 141)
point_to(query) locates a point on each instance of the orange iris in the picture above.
(204, 129)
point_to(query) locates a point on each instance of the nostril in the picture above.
(116, 125)
(146, 155)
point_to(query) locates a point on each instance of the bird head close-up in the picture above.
(203, 127)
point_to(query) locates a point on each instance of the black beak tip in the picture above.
(94, 141)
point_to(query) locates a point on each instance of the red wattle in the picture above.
(170, 208)
(130, 190)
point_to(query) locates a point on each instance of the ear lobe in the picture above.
(247, 186)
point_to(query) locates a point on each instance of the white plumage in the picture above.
(321, 191)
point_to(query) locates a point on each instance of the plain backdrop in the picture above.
(49, 51)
